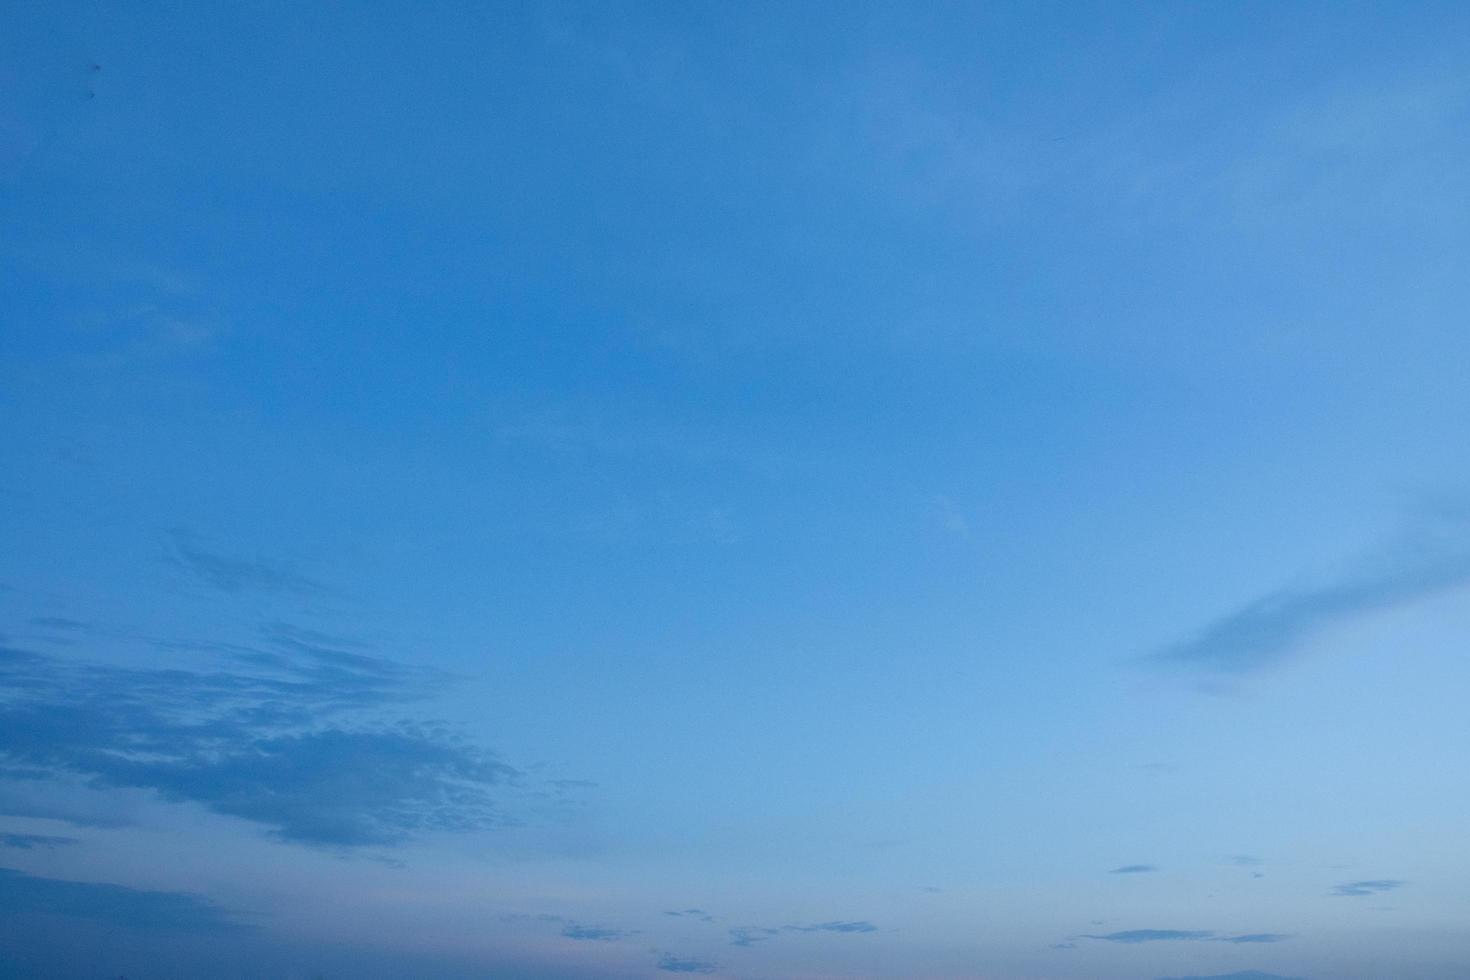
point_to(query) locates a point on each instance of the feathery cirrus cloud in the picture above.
(1266, 630)
(290, 735)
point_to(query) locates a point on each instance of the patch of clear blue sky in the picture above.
(972, 447)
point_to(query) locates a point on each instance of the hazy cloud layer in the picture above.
(750, 935)
(28, 842)
(575, 931)
(1247, 975)
(860, 926)
(289, 736)
(1150, 935)
(1265, 631)
(1131, 936)
(1133, 869)
(674, 964)
(131, 908)
(1355, 889)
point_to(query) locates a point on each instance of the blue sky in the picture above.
(747, 490)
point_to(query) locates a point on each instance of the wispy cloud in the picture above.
(571, 929)
(1266, 630)
(859, 926)
(290, 738)
(230, 573)
(1247, 975)
(1132, 936)
(130, 908)
(575, 931)
(1355, 889)
(27, 842)
(750, 935)
(1133, 869)
(531, 917)
(1150, 935)
(59, 623)
(674, 964)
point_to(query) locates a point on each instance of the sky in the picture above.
(767, 490)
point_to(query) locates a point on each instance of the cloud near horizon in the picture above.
(1132, 936)
(575, 931)
(674, 964)
(858, 926)
(750, 935)
(115, 905)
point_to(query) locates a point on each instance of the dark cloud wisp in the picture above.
(27, 842)
(859, 926)
(750, 935)
(674, 964)
(291, 738)
(230, 573)
(111, 904)
(575, 931)
(1131, 936)
(1357, 889)
(1264, 632)
(1150, 935)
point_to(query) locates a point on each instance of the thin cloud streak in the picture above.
(1358, 889)
(229, 573)
(859, 926)
(1134, 936)
(27, 842)
(575, 931)
(1266, 631)
(1131, 936)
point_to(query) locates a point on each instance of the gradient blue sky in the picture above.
(749, 490)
